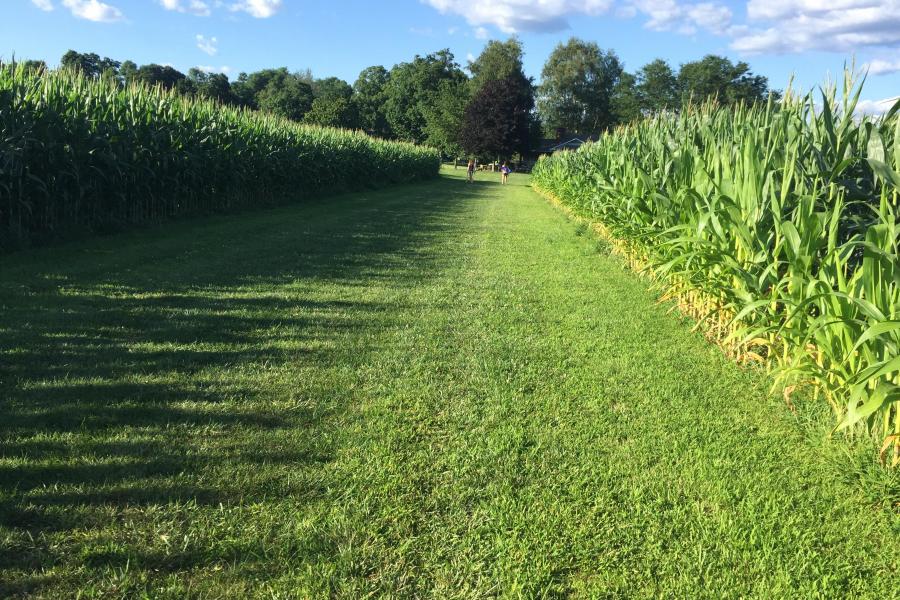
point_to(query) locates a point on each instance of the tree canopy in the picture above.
(497, 123)
(498, 60)
(214, 86)
(332, 87)
(332, 111)
(163, 75)
(431, 99)
(370, 95)
(577, 86)
(499, 120)
(89, 63)
(444, 115)
(716, 76)
(275, 90)
(657, 86)
(411, 91)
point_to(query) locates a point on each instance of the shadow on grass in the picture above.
(137, 369)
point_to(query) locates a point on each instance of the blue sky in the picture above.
(808, 38)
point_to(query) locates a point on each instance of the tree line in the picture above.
(488, 109)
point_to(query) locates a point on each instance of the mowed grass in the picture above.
(440, 390)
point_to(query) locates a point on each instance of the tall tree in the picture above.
(37, 66)
(275, 90)
(577, 85)
(657, 86)
(164, 75)
(716, 76)
(332, 111)
(626, 105)
(128, 72)
(286, 96)
(502, 62)
(411, 91)
(444, 116)
(90, 64)
(498, 60)
(332, 87)
(214, 86)
(369, 96)
(496, 123)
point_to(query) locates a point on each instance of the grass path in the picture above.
(443, 390)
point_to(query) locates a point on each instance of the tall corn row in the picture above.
(80, 154)
(775, 226)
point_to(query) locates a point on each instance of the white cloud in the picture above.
(875, 107)
(482, 33)
(882, 67)
(778, 9)
(225, 69)
(208, 45)
(261, 9)
(43, 4)
(710, 16)
(194, 7)
(770, 26)
(94, 10)
(666, 15)
(784, 26)
(511, 16)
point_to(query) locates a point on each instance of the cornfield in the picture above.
(84, 155)
(775, 226)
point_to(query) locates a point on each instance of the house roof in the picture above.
(553, 145)
(572, 142)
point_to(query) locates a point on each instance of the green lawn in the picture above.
(441, 390)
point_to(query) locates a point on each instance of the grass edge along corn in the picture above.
(775, 226)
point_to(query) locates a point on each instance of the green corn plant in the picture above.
(78, 154)
(775, 226)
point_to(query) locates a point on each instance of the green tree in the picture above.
(369, 96)
(90, 64)
(332, 111)
(275, 90)
(164, 75)
(332, 87)
(626, 104)
(498, 60)
(577, 86)
(716, 76)
(657, 86)
(411, 91)
(496, 122)
(444, 116)
(288, 97)
(128, 72)
(38, 66)
(214, 86)
(502, 62)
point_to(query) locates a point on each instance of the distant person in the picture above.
(504, 174)
(470, 171)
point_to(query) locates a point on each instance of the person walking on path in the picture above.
(470, 172)
(504, 174)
